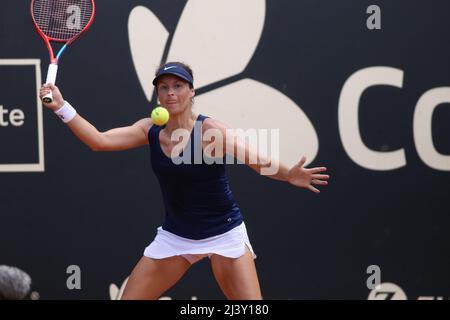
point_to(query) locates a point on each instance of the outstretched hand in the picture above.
(302, 177)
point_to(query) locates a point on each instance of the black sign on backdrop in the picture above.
(21, 122)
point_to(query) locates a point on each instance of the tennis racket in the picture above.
(62, 21)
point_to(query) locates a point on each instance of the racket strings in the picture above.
(62, 19)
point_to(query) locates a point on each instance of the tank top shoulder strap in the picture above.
(201, 117)
(153, 134)
(197, 128)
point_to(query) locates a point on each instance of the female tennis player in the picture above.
(202, 218)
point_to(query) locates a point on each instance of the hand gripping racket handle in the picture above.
(51, 78)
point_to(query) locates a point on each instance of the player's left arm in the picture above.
(267, 165)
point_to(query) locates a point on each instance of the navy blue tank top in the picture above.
(197, 197)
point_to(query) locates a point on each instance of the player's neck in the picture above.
(184, 120)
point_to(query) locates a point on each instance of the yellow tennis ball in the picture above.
(160, 116)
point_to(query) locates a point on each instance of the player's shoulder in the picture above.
(212, 123)
(145, 124)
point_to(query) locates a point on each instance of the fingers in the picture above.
(48, 86)
(321, 176)
(46, 89)
(318, 169)
(43, 92)
(311, 188)
(302, 161)
(319, 182)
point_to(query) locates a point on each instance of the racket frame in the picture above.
(54, 60)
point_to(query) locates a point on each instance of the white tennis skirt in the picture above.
(230, 244)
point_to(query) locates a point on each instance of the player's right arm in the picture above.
(116, 139)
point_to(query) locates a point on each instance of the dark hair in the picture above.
(181, 64)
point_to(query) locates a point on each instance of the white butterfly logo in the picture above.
(218, 39)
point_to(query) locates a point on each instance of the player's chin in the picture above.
(174, 108)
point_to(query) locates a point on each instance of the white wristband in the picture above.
(66, 112)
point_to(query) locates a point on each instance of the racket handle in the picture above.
(51, 78)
